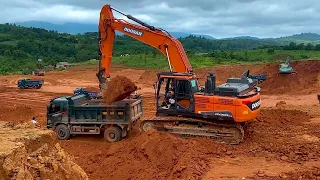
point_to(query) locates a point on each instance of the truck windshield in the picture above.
(194, 85)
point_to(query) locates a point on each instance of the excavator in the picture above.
(182, 106)
(285, 68)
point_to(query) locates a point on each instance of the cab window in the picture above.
(54, 108)
(194, 85)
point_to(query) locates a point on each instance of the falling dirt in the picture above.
(31, 153)
(118, 88)
(93, 89)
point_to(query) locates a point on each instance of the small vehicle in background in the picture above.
(27, 83)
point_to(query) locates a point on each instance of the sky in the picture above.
(218, 18)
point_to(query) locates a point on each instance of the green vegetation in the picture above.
(21, 47)
(218, 57)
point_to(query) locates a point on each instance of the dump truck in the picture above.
(80, 114)
(26, 83)
(259, 78)
(39, 72)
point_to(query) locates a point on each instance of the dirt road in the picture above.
(283, 142)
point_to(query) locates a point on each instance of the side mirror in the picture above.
(154, 85)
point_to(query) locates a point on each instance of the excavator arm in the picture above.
(157, 38)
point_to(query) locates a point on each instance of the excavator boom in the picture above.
(157, 38)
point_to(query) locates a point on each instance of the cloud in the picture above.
(218, 18)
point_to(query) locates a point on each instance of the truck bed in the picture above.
(100, 102)
(96, 110)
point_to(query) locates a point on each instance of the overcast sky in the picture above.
(218, 18)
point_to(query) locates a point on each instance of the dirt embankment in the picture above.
(30, 153)
(305, 81)
(286, 134)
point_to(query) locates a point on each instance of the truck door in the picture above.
(57, 112)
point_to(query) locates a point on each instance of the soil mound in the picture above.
(30, 153)
(155, 155)
(16, 113)
(118, 88)
(305, 81)
(284, 133)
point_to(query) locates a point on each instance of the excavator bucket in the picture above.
(117, 89)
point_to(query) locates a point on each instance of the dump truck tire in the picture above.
(63, 132)
(147, 126)
(112, 134)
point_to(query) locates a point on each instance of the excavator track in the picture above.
(226, 133)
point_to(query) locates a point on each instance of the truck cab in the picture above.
(57, 111)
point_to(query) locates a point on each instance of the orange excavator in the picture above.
(182, 106)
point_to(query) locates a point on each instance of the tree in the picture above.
(309, 46)
(292, 46)
(300, 46)
(271, 51)
(317, 47)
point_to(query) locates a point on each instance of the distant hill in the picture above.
(305, 38)
(77, 28)
(242, 37)
(71, 28)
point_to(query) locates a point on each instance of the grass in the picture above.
(222, 58)
(278, 55)
(11, 43)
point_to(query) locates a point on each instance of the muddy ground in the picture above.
(283, 142)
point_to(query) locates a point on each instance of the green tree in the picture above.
(317, 47)
(270, 51)
(309, 46)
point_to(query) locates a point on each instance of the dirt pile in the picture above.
(312, 173)
(118, 88)
(16, 113)
(154, 155)
(284, 135)
(29, 153)
(305, 81)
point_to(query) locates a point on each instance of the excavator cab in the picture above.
(174, 93)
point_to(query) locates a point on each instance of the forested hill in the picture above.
(20, 47)
(33, 43)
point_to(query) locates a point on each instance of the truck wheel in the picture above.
(63, 132)
(113, 134)
(147, 126)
